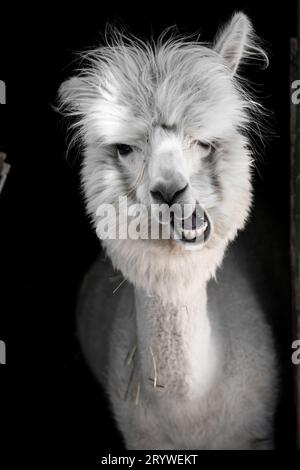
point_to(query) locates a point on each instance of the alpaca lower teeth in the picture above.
(191, 234)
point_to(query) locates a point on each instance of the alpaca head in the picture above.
(167, 122)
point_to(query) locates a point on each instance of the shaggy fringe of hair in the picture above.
(122, 49)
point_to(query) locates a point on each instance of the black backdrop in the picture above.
(49, 397)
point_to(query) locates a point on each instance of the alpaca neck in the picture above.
(175, 344)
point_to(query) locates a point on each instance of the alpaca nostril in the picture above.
(167, 193)
(157, 196)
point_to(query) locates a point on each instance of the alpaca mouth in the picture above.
(194, 229)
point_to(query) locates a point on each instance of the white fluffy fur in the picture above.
(213, 358)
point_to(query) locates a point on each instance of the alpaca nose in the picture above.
(168, 192)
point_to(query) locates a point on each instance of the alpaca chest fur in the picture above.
(215, 370)
(181, 346)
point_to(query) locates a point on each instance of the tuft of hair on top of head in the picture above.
(124, 57)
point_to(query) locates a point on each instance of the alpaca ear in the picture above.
(236, 42)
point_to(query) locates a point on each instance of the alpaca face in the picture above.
(166, 123)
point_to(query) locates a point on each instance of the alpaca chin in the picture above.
(164, 269)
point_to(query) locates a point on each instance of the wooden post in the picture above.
(295, 209)
(294, 226)
(298, 230)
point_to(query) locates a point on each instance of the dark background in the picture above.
(48, 396)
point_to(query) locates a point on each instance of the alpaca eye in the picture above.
(123, 149)
(205, 146)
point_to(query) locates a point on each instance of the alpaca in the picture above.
(187, 360)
